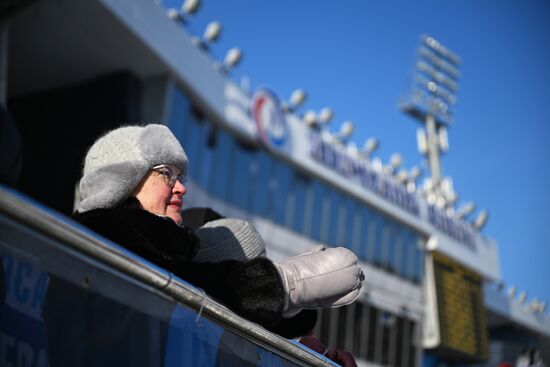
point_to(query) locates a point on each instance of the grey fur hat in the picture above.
(118, 161)
(228, 239)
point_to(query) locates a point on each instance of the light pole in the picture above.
(433, 95)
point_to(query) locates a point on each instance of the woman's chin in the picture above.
(174, 213)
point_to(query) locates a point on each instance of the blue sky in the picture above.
(358, 56)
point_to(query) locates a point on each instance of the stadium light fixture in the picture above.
(310, 118)
(447, 192)
(465, 210)
(346, 130)
(512, 292)
(232, 58)
(377, 164)
(415, 173)
(421, 141)
(440, 49)
(413, 176)
(427, 185)
(534, 306)
(441, 202)
(402, 176)
(352, 150)
(396, 160)
(522, 298)
(431, 198)
(188, 8)
(481, 220)
(212, 31)
(297, 98)
(370, 145)
(211, 34)
(316, 120)
(451, 198)
(443, 139)
(325, 115)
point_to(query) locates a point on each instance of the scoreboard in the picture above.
(460, 310)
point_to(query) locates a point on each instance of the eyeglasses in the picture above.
(169, 177)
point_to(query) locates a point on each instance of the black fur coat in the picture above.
(252, 289)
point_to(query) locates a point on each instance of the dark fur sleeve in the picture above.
(253, 289)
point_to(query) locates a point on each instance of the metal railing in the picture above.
(38, 221)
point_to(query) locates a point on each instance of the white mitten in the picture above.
(321, 278)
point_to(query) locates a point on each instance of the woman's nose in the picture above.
(179, 189)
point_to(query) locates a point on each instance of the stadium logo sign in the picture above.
(270, 121)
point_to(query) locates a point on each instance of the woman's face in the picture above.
(157, 197)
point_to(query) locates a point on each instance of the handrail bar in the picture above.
(46, 220)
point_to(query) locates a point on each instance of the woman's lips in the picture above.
(176, 203)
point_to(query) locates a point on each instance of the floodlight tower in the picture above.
(433, 94)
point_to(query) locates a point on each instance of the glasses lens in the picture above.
(166, 174)
(169, 177)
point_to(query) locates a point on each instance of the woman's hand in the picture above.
(341, 357)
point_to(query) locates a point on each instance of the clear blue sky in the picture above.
(357, 57)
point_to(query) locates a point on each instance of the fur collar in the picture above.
(139, 230)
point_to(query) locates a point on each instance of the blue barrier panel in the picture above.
(61, 305)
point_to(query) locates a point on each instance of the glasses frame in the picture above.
(168, 175)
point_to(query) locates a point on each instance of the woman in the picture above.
(132, 188)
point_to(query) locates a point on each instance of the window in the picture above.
(411, 252)
(387, 247)
(360, 336)
(371, 225)
(381, 235)
(221, 165)
(203, 163)
(349, 221)
(352, 225)
(318, 191)
(240, 176)
(393, 252)
(418, 260)
(388, 328)
(263, 196)
(186, 125)
(398, 248)
(283, 176)
(335, 222)
(370, 334)
(413, 349)
(400, 343)
(297, 196)
(178, 117)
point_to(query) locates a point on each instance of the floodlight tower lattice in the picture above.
(435, 83)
